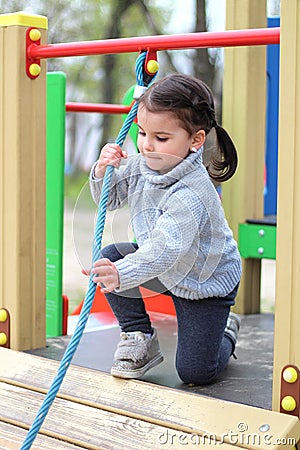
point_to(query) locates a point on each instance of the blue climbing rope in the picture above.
(89, 298)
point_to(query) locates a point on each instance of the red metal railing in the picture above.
(106, 108)
(229, 38)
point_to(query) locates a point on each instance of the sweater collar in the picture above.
(190, 163)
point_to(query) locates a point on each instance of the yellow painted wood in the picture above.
(244, 108)
(22, 191)
(287, 303)
(153, 404)
(12, 437)
(24, 19)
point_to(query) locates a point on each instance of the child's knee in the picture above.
(117, 251)
(109, 252)
(198, 376)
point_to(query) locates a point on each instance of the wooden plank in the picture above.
(22, 197)
(12, 437)
(89, 427)
(287, 302)
(167, 407)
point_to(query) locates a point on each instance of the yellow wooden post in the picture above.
(22, 188)
(244, 98)
(287, 303)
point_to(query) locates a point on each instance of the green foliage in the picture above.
(77, 185)
(103, 78)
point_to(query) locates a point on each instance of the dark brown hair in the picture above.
(191, 101)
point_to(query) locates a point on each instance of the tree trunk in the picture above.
(203, 68)
(113, 31)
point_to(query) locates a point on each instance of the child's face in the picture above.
(162, 140)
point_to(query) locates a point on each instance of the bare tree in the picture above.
(104, 78)
(203, 62)
(111, 68)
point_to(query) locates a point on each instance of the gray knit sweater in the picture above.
(180, 228)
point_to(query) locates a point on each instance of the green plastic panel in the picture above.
(55, 160)
(128, 99)
(257, 241)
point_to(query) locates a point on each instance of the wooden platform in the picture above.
(96, 411)
(247, 380)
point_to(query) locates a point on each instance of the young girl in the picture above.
(184, 247)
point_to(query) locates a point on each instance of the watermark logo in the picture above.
(240, 436)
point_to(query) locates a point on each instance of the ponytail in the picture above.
(192, 102)
(224, 159)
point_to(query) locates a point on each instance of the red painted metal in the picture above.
(30, 60)
(97, 108)
(5, 328)
(151, 55)
(229, 38)
(290, 389)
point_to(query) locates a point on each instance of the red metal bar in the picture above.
(97, 108)
(229, 38)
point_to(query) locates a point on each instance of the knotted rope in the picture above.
(142, 80)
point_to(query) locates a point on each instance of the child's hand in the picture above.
(110, 155)
(106, 275)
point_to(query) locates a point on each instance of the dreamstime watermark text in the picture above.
(241, 436)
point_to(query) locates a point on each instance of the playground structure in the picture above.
(56, 303)
(23, 215)
(256, 238)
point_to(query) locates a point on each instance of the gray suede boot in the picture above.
(232, 329)
(136, 354)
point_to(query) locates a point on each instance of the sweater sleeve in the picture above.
(118, 190)
(170, 245)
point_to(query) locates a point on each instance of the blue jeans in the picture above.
(203, 350)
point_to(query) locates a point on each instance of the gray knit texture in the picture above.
(180, 228)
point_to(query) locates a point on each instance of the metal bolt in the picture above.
(265, 427)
